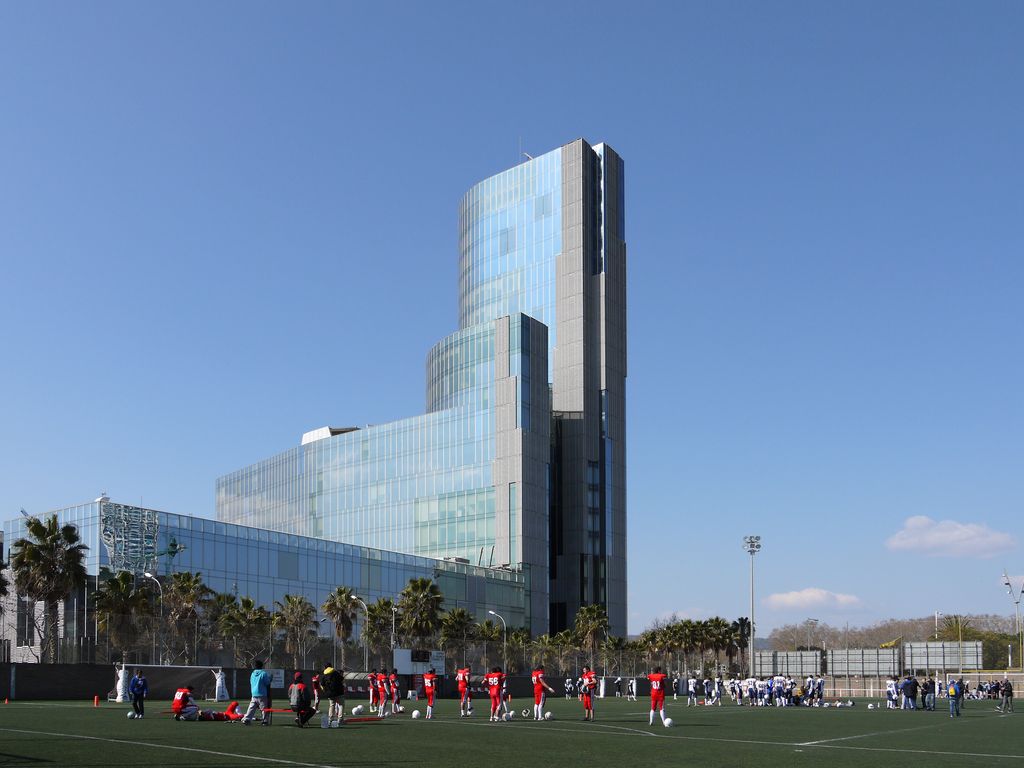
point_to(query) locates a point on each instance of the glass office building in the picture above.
(251, 562)
(520, 458)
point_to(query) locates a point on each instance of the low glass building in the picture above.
(250, 562)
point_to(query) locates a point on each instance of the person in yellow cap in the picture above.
(332, 684)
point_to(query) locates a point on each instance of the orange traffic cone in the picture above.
(95, 701)
(7, 701)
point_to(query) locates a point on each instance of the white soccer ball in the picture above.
(401, 710)
(526, 713)
(549, 716)
(358, 710)
(416, 714)
(131, 715)
(871, 706)
(387, 713)
(507, 716)
(668, 722)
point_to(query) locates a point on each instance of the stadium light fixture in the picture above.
(810, 624)
(752, 544)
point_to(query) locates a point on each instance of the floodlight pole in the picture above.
(1015, 595)
(752, 544)
(810, 623)
(362, 635)
(160, 587)
(504, 642)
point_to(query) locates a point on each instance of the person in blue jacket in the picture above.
(259, 682)
(138, 689)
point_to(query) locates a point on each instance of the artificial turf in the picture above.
(73, 734)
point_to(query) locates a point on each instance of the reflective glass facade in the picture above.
(520, 458)
(266, 565)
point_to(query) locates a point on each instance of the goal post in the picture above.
(209, 683)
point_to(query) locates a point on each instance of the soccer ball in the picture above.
(668, 722)
(415, 714)
(401, 710)
(358, 710)
(387, 713)
(131, 715)
(549, 716)
(507, 716)
(526, 713)
(871, 706)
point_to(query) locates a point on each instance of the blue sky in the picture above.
(222, 224)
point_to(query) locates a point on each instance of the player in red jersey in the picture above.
(430, 689)
(371, 684)
(657, 678)
(465, 693)
(540, 685)
(395, 689)
(495, 682)
(184, 707)
(382, 693)
(588, 682)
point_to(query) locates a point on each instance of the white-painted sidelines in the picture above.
(134, 743)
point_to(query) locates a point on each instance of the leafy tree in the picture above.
(248, 627)
(419, 608)
(377, 632)
(296, 617)
(185, 598)
(719, 636)
(544, 651)
(48, 565)
(488, 632)
(566, 646)
(458, 630)
(591, 624)
(341, 607)
(611, 653)
(119, 608)
(518, 643)
(741, 631)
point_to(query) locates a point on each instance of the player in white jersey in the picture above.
(890, 693)
(691, 691)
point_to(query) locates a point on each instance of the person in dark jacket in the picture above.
(332, 683)
(298, 697)
(138, 689)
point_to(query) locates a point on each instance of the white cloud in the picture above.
(949, 538)
(812, 597)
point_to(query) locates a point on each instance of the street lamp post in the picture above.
(362, 635)
(159, 587)
(1015, 595)
(810, 623)
(504, 638)
(752, 544)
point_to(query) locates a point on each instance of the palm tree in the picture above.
(611, 653)
(518, 642)
(48, 566)
(544, 650)
(487, 632)
(377, 631)
(219, 604)
(591, 623)
(719, 637)
(419, 608)
(296, 617)
(248, 626)
(742, 629)
(340, 608)
(565, 646)
(119, 607)
(458, 630)
(185, 597)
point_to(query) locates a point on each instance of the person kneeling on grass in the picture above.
(298, 697)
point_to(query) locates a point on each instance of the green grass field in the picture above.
(72, 734)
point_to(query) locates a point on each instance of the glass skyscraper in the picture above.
(520, 459)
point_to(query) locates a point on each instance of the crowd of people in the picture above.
(385, 694)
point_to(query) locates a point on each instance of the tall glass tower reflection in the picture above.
(520, 459)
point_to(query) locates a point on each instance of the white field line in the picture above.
(816, 745)
(134, 743)
(867, 735)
